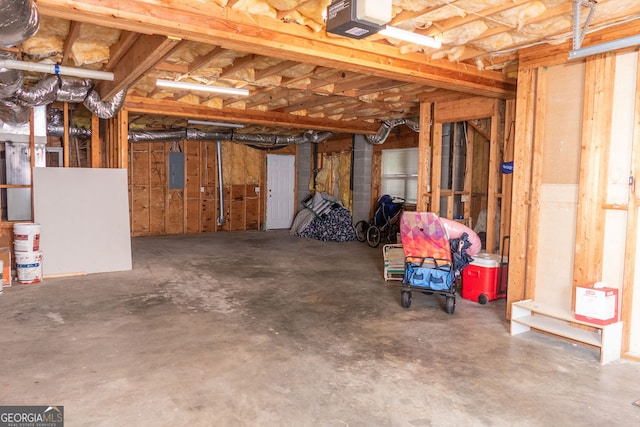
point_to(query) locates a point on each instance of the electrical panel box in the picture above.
(342, 20)
(176, 170)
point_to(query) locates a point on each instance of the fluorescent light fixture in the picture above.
(203, 88)
(222, 124)
(605, 47)
(409, 36)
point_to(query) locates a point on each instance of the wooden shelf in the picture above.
(527, 315)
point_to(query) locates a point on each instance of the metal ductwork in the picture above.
(385, 129)
(55, 127)
(247, 138)
(19, 21)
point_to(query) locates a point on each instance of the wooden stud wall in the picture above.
(594, 166)
(157, 210)
(631, 251)
(424, 157)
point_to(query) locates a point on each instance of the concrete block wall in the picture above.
(362, 156)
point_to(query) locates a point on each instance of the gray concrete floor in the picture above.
(263, 328)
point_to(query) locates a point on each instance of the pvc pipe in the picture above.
(56, 69)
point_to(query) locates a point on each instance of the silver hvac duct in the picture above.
(56, 128)
(385, 129)
(10, 80)
(247, 138)
(18, 21)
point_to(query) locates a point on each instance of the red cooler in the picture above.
(480, 278)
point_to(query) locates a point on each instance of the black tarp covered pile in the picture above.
(333, 224)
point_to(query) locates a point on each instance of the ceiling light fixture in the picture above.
(204, 88)
(222, 124)
(408, 36)
(604, 47)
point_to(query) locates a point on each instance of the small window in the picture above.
(400, 173)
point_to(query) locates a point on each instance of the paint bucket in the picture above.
(29, 267)
(26, 237)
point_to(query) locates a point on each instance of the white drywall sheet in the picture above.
(84, 219)
(556, 245)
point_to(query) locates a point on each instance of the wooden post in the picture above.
(492, 190)
(122, 141)
(507, 179)
(594, 166)
(65, 137)
(519, 230)
(95, 142)
(632, 227)
(436, 166)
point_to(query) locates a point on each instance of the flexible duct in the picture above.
(105, 109)
(18, 21)
(385, 129)
(14, 114)
(260, 139)
(10, 80)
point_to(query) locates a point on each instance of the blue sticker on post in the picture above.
(506, 167)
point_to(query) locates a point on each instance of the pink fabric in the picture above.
(423, 235)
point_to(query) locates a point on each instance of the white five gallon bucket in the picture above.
(26, 237)
(29, 267)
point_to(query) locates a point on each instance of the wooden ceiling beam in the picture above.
(269, 118)
(239, 64)
(203, 60)
(274, 69)
(74, 33)
(120, 48)
(269, 37)
(139, 59)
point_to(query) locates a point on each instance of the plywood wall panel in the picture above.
(175, 212)
(563, 123)
(157, 203)
(140, 209)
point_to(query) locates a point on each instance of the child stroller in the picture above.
(384, 224)
(433, 263)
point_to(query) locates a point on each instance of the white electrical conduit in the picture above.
(220, 184)
(55, 69)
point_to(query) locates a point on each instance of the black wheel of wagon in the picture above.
(373, 236)
(405, 299)
(361, 230)
(483, 299)
(451, 305)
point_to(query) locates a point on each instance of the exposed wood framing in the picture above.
(174, 108)
(537, 152)
(66, 143)
(96, 153)
(631, 251)
(253, 34)
(507, 179)
(494, 170)
(594, 166)
(519, 285)
(436, 163)
(424, 157)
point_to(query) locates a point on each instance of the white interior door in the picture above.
(280, 190)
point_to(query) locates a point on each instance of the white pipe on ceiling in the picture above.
(55, 69)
